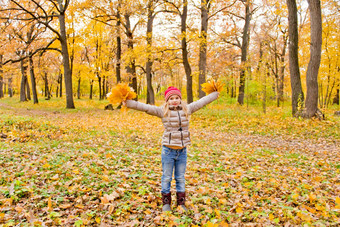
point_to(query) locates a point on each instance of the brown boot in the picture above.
(166, 198)
(181, 200)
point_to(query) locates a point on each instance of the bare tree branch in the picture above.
(42, 50)
(220, 10)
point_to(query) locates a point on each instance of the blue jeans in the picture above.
(173, 160)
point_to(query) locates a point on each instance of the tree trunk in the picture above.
(186, 64)
(47, 91)
(107, 88)
(244, 53)
(282, 68)
(131, 67)
(150, 94)
(34, 86)
(10, 89)
(1, 78)
(119, 46)
(203, 47)
(233, 88)
(78, 90)
(28, 90)
(99, 84)
(66, 59)
(103, 87)
(264, 97)
(23, 67)
(61, 85)
(336, 99)
(91, 89)
(315, 58)
(295, 80)
(277, 75)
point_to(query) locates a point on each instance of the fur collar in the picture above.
(179, 107)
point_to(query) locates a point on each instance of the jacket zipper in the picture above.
(169, 138)
(180, 127)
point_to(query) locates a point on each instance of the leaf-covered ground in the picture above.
(89, 167)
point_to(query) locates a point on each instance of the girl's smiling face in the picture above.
(174, 100)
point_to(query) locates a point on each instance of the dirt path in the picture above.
(317, 148)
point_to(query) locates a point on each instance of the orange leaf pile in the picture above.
(211, 86)
(121, 92)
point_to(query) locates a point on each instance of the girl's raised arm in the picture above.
(194, 106)
(149, 109)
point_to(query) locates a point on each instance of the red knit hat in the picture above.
(172, 91)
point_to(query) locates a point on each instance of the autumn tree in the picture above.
(329, 72)
(295, 80)
(151, 14)
(244, 50)
(274, 33)
(315, 57)
(45, 13)
(206, 14)
(183, 14)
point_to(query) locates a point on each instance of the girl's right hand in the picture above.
(124, 103)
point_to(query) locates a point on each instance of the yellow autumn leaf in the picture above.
(106, 178)
(271, 217)
(218, 213)
(147, 212)
(98, 220)
(337, 201)
(211, 86)
(80, 206)
(46, 165)
(223, 201)
(65, 206)
(223, 224)
(239, 210)
(295, 196)
(76, 171)
(121, 92)
(49, 203)
(319, 207)
(312, 197)
(313, 211)
(210, 224)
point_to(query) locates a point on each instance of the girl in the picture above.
(176, 138)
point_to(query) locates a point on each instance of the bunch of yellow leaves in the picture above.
(121, 92)
(211, 86)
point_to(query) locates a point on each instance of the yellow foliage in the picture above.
(121, 92)
(211, 86)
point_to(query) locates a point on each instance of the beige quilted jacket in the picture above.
(176, 127)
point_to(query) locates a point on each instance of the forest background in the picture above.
(259, 165)
(154, 44)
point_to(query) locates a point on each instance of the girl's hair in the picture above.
(167, 110)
